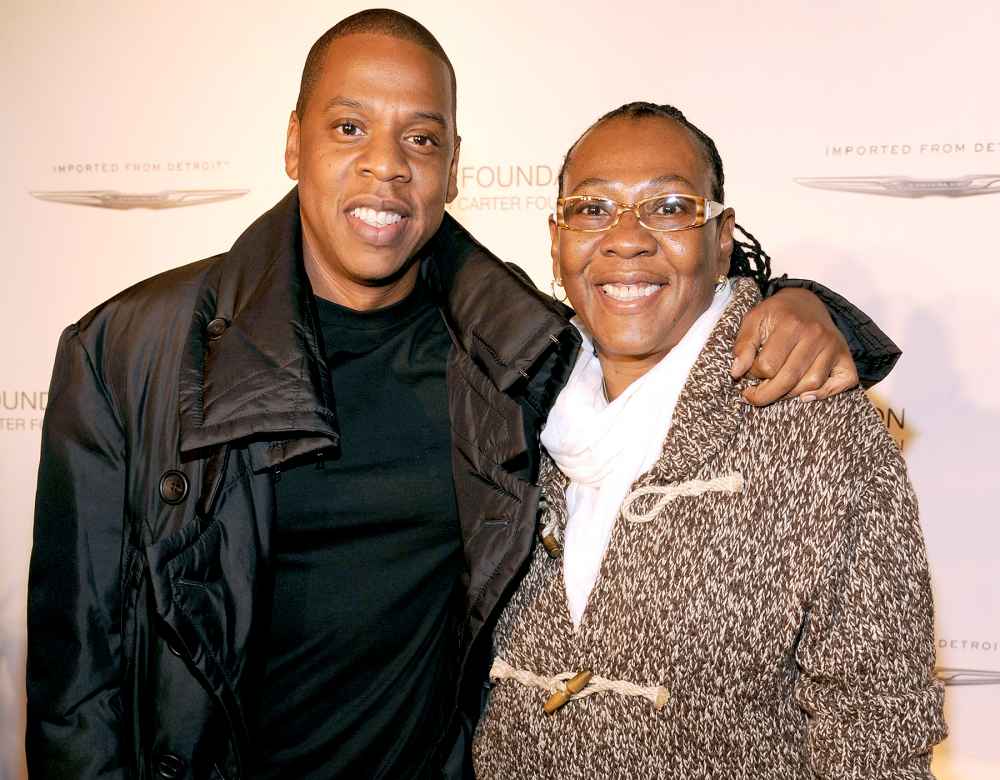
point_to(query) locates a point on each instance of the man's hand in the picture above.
(790, 342)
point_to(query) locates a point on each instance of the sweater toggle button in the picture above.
(574, 685)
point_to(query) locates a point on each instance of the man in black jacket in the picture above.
(284, 490)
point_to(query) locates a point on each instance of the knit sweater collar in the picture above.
(707, 415)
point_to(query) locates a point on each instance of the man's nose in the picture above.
(385, 159)
(628, 238)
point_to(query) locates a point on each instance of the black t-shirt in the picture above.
(367, 562)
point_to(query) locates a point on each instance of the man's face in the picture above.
(637, 290)
(375, 156)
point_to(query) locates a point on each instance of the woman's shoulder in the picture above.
(847, 426)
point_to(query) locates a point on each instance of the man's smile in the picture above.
(376, 218)
(377, 221)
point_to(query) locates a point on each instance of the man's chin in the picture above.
(375, 270)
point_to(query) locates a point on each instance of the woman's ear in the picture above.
(727, 224)
(554, 249)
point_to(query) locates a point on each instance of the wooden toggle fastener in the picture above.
(552, 546)
(559, 698)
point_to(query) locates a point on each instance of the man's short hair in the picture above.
(373, 21)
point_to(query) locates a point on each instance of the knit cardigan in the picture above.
(788, 625)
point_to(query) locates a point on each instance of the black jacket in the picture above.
(171, 408)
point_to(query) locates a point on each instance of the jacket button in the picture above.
(173, 486)
(169, 766)
(216, 327)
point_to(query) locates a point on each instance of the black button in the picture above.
(169, 766)
(173, 486)
(216, 327)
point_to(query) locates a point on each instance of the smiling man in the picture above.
(374, 147)
(284, 490)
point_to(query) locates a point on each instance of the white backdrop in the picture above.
(142, 98)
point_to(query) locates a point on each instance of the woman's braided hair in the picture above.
(748, 257)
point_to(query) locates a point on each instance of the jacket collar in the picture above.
(518, 336)
(253, 366)
(265, 375)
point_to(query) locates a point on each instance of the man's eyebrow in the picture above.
(343, 102)
(340, 101)
(668, 178)
(431, 116)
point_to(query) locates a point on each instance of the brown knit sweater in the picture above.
(790, 623)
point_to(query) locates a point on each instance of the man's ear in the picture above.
(727, 224)
(453, 172)
(292, 147)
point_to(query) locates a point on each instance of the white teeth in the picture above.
(376, 218)
(629, 292)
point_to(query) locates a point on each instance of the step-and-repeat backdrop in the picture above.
(861, 142)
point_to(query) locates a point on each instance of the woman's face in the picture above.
(637, 290)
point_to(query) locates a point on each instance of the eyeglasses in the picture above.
(591, 214)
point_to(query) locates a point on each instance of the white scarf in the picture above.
(604, 447)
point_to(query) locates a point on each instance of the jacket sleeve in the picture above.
(874, 353)
(74, 718)
(866, 657)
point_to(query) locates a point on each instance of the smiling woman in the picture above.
(639, 276)
(722, 590)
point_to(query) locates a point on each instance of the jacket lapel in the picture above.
(253, 366)
(514, 349)
(498, 318)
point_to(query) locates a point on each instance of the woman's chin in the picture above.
(637, 341)
(629, 350)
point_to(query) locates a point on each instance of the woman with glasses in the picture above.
(723, 591)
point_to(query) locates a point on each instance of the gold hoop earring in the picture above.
(558, 282)
(720, 282)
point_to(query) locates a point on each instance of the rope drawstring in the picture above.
(731, 483)
(501, 670)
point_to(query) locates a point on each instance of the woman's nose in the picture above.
(628, 238)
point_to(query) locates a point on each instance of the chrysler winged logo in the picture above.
(114, 199)
(906, 186)
(968, 676)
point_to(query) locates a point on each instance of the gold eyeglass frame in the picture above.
(706, 210)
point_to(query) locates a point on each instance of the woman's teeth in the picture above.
(376, 218)
(629, 292)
